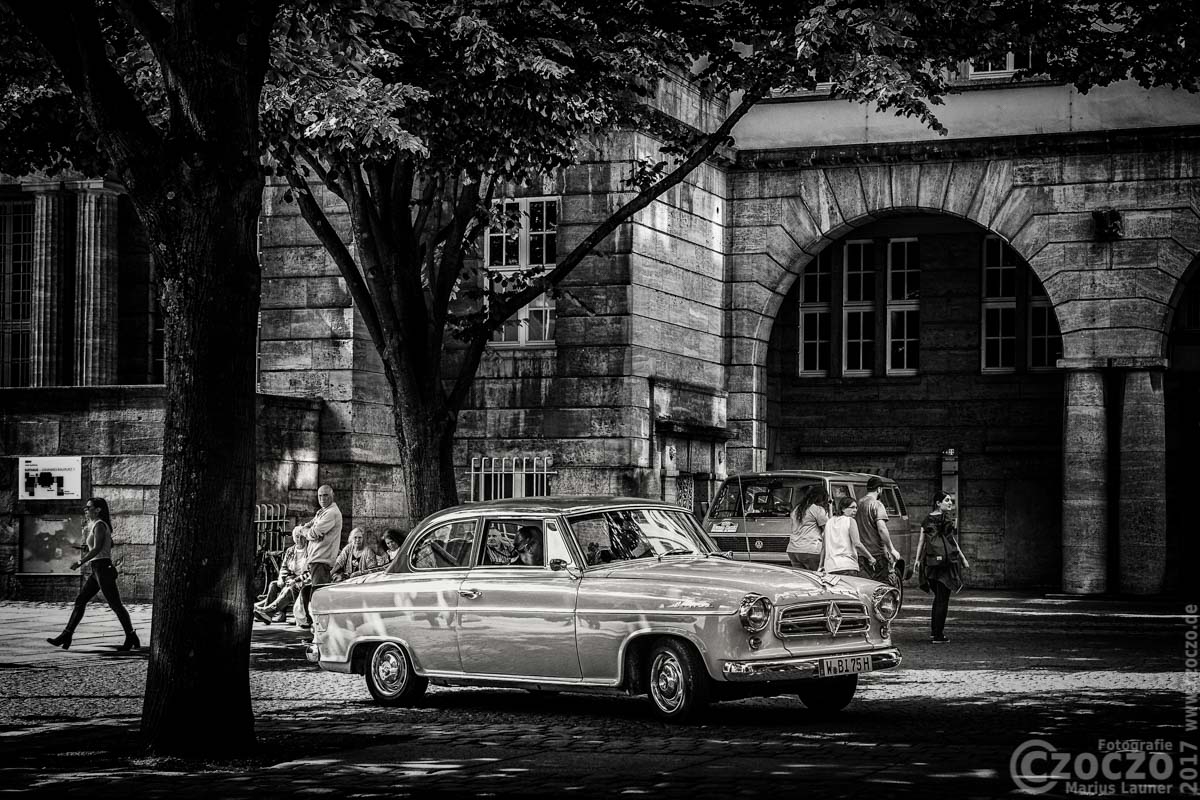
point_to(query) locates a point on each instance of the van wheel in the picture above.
(827, 695)
(390, 676)
(676, 680)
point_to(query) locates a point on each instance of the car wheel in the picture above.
(390, 676)
(826, 695)
(677, 682)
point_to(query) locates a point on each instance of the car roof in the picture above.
(555, 504)
(810, 473)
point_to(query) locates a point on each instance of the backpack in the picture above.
(936, 551)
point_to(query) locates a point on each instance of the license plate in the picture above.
(844, 665)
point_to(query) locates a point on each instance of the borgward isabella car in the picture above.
(599, 594)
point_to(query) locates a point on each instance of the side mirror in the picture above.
(557, 564)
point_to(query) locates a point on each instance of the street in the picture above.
(1019, 666)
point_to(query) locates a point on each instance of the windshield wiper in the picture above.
(676, 551)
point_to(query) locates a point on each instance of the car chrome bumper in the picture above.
(797, 668)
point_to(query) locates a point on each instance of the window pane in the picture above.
(536, 252)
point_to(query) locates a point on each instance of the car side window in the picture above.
(513, 543)
(837, 490)
(445, 547)
(892, 502)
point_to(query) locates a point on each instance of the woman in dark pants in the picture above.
(940, 537)
(98, 555)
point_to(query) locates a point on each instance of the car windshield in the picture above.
(760, 497)
(638, 533)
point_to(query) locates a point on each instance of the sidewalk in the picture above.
(943, 725)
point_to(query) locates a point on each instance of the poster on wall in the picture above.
(51, 478)
(50, 544)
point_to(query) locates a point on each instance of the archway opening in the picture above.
(1182, 398)
(924, 348)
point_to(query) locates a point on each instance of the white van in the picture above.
(750, 515)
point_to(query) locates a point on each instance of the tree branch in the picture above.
(511, 303)
(316, 218)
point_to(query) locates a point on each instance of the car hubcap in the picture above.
(390, 669)
(666, 683)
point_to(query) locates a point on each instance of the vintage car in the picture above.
(599, 594)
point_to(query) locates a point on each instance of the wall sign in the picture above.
(51, 478)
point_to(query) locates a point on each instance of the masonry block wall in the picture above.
(314, 345)
(117, 432)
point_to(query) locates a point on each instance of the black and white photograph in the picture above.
(666, 398)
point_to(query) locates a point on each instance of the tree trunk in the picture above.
(425, 436)
(197, 684)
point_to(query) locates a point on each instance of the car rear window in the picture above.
(760, 498)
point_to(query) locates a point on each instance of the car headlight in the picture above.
(755, 612)
(887, 602)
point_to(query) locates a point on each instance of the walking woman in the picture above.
(808, 529)
(941, 561)
(98, 555)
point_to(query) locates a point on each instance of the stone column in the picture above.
(50, 341)
(96, 288)
(1142, 505)
(1085, 484)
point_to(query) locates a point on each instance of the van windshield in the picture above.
(760, 497)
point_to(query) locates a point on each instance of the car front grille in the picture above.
(736, 544)
(813, 619)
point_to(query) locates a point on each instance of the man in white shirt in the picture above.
(324, 533)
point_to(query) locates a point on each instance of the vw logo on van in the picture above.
(758, 544)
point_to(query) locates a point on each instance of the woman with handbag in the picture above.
(941, 561)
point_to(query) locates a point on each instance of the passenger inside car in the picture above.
(527, 547)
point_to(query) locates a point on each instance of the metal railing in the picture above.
(494, 478)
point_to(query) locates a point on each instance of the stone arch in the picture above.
(775, 237)
(1114, 300)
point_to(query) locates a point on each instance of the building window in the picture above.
(1045, 339)
(858, 309)
(877, 299)
(1001, 67)
(903, 307)
(496, 478)
(16, 291)
(1011, 293)
(815, 293)
(999, 306)
(524, 240)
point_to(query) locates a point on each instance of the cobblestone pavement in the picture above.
(945, 724)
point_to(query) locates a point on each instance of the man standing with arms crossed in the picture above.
(872, 520)
(324, 533)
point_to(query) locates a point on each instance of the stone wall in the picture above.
(117, 432)
(314, 345)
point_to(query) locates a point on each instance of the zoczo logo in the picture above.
(1036, 767)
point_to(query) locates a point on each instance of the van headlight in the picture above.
(755, 612)
(887, 602)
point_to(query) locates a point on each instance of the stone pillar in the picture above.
(50, 349)
(96, 287)
(1142, 505)
(1085, 484)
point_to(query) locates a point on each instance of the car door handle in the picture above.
(470, 594)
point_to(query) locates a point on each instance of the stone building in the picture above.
(1014, 306)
